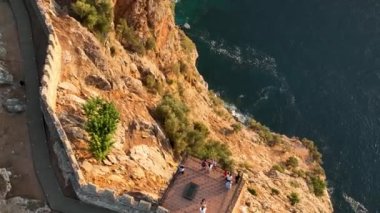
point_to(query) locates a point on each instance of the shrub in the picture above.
(318, 184)
(183, 68)
(215, 99)
(218, 151)
(236, 127)
(128, 38)
(292, 162)
(314, 153)
(150, 43)
(252, 191)
(96, 15)
(294, 184)
(153, 85)
(293, 198)
(189, 138)
(102, 119)
(274, 191)
(187, 45)
(113, 51)
(264, 132)
(279, 168)
(299, 173)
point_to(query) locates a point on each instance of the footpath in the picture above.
(43, 167)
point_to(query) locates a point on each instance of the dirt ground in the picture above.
(15, 150)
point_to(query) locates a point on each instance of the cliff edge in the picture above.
(143, 57)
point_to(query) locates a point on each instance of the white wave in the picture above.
(259, 61)
(355, 205)
(236, 113)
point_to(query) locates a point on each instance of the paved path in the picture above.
(56, 200)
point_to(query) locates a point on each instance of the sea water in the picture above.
(303, 68)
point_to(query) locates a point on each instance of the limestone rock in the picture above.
(14, 105)
(76, 132)
(69, 87)
(99, 82)
(151, 159)
(87, 166)
(75, 99)
(3, 52)
(5, 185)
(5, 77)
(138, 173)
(112, 159)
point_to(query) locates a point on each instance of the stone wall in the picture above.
(48, 52)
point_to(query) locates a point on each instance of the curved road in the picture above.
(43, 168)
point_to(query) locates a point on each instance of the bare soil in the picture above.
(14, 139)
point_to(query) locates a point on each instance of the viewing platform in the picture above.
(205, 185)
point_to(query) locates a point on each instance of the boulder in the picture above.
(14, 105)
(99, 82)
(5, 77)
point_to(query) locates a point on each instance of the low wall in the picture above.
(48, 52)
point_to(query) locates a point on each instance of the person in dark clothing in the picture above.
(181, 169)
(237, 177)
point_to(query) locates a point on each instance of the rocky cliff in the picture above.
(142, 161)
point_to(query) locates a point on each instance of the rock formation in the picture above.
(142, 160)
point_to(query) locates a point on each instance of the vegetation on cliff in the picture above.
(96, 15)
(187, 137)
(101, 124)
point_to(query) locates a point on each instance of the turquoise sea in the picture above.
(303, 68)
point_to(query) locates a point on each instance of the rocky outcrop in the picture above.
(5, 77)
(141, 160)
(14, 105)
(17, 204)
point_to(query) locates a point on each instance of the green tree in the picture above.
(102, 119)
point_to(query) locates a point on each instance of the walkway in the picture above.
(211, 187)
(56, 200)
(15, 148)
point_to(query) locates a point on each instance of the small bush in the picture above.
(113, 51)
(96, 15)
(183, 68)
(278, 168)
(153, 85)
(190, 138)
(318, 184)
(274, 191)
(293, 198)
(150, 43)
(252, 191)
(187, 45)
(314, 153)
(102, 119)
(236, 127)
(299, 173)
(292, 162)
(294, 184)
(215, 99)
(264, 133)
(128, 38)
